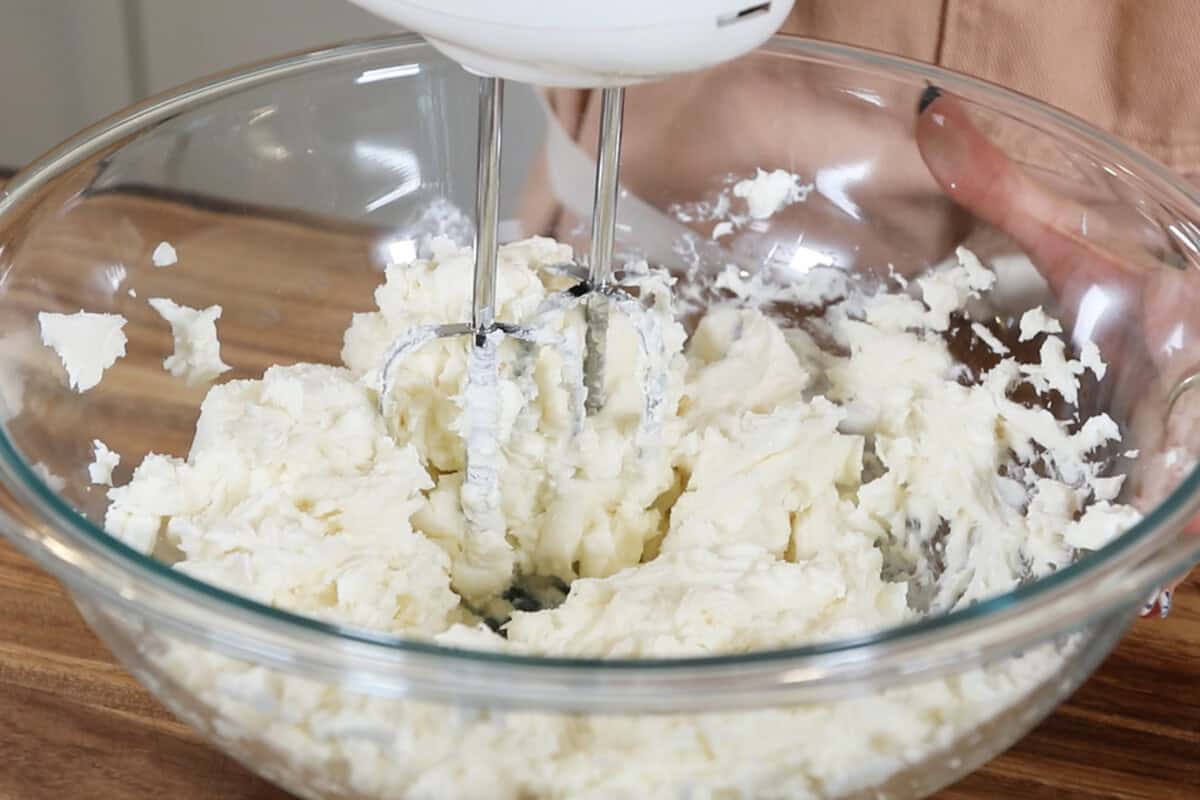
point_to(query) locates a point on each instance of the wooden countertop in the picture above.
(73, 724)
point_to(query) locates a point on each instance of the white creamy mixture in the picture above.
(164, 255)
(768, 192)
(197, 356)
(104, 461)
(792, 493)
(87, 343)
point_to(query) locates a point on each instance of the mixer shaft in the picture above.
(604, 226)
(604, 223)
(487, 206)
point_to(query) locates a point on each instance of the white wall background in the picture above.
(184, 39)
(63, 64)
(67, 63)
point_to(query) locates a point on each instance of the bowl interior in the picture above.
(285, 201)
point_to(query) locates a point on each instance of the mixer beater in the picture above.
(597, 291)
(572, 43)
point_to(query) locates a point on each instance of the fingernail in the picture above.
(1148, 606)
(930, 94)
(1164, 604)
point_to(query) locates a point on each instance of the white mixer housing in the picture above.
(587, 43)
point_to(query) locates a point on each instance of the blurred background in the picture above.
(67, 63)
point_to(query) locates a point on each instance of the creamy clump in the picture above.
(197, 356)
(104, 461)
(828, 476)
(87, 344)
(804, 484)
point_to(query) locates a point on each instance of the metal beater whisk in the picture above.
(486, 544)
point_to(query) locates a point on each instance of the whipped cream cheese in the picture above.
(87, 343)
(197, 356)
(104, 461)
(801, 484)
(769, 192)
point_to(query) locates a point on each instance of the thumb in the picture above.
(981, 178)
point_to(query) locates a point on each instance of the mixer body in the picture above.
(585, 44)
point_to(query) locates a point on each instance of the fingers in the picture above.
(1165, 597)
(1049, 228)
(1159, 604)
(979, 176)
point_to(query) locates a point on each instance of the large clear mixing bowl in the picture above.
(286, 188)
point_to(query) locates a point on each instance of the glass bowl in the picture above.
(285, 190)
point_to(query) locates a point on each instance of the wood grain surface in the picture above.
(73, 724)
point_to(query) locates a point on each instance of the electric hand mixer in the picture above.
(606, 44)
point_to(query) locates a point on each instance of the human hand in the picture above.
(1142, 314)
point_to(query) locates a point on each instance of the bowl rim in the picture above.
(1105, 585)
